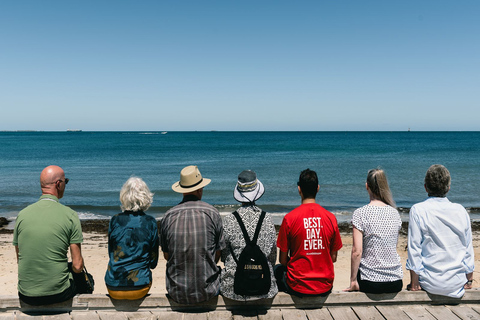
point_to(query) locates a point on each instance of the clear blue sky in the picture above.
(240, 65)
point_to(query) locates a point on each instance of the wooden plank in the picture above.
(342, 313)
(367, 313)
(168, 315)
(464, 312)
(318, 314)
(7, 316)
(247, 314)
(441, 312)
(22, 316)
(195, 316)
(475, 308)
(270, 314)
(111, 315)
(392, 312)
(294, 314)
(84, 315)
(140, 315)
(63, 316)
(417, 312)
(219, 315)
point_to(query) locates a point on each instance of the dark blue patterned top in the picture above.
(132, 249)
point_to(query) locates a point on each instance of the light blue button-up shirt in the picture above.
(440, 247)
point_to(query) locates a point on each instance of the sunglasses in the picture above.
(66, 181)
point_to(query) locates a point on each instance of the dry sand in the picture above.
(94, 250)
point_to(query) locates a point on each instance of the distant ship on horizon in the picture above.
(74, 130)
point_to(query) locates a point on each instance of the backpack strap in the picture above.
(259, 226)
(244, 231)
(242, 226)
(233, 254)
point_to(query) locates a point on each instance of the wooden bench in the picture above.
(338, 305)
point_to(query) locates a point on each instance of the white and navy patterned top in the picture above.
(191, 233)
(380, 261)
(234, 238)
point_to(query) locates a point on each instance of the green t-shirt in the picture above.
(43, 233)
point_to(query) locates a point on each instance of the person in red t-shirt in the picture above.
(308, 240)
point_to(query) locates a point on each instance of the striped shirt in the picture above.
(191, 233)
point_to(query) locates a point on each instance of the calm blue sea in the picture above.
(98, 163)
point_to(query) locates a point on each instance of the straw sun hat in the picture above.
(190, 180)
(248, 188)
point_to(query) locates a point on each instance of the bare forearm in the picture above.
(283, 258)
(414, 281)
(77, 259)
(354, 265)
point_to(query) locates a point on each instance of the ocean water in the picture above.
(98, 163)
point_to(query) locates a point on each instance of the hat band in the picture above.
(247, 187)
(192, 185)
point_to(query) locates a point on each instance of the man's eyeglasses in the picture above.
(66, 181)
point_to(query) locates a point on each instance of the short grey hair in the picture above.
(437, 181)
(135, 195)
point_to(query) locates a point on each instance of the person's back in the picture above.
(133, 244)
(440, 250)
(248, 190)
(375, 263)
(312, 234)
(308, 241)
(444, 228)
(44, 231)
(43, 234)
(191, 235)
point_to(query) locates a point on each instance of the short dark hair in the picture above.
(308, 183)
(437, 181)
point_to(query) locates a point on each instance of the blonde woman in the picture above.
(132, 244)
(375, 263)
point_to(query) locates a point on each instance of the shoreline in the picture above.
(100, 226)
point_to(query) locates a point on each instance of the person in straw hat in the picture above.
(248, 190)
(191, 237)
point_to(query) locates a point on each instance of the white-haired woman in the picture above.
(132, 244)
(375, 264)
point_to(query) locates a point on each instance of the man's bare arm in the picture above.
(283, 258)
(77, 259)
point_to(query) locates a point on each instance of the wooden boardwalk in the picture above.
(337, 306)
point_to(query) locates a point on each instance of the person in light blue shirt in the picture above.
(440, 251)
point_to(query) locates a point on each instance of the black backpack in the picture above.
(252, 276)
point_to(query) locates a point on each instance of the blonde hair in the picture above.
(135, 195)
(378, 185)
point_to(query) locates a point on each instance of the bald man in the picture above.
(44, 231)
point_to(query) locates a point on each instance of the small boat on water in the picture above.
(74, 130)
(164, 132)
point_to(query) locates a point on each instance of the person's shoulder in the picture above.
(361, 210)
(66, 209)
(458, 207)
(206, 205)
(27, 209)
(324, 211)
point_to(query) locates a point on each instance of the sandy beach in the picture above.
(94, 250)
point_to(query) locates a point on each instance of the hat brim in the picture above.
(178, 188)
(251, 196)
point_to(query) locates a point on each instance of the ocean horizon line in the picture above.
(79, 131)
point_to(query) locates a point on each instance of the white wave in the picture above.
(91, 216)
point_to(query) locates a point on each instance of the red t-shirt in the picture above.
(310, 233)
